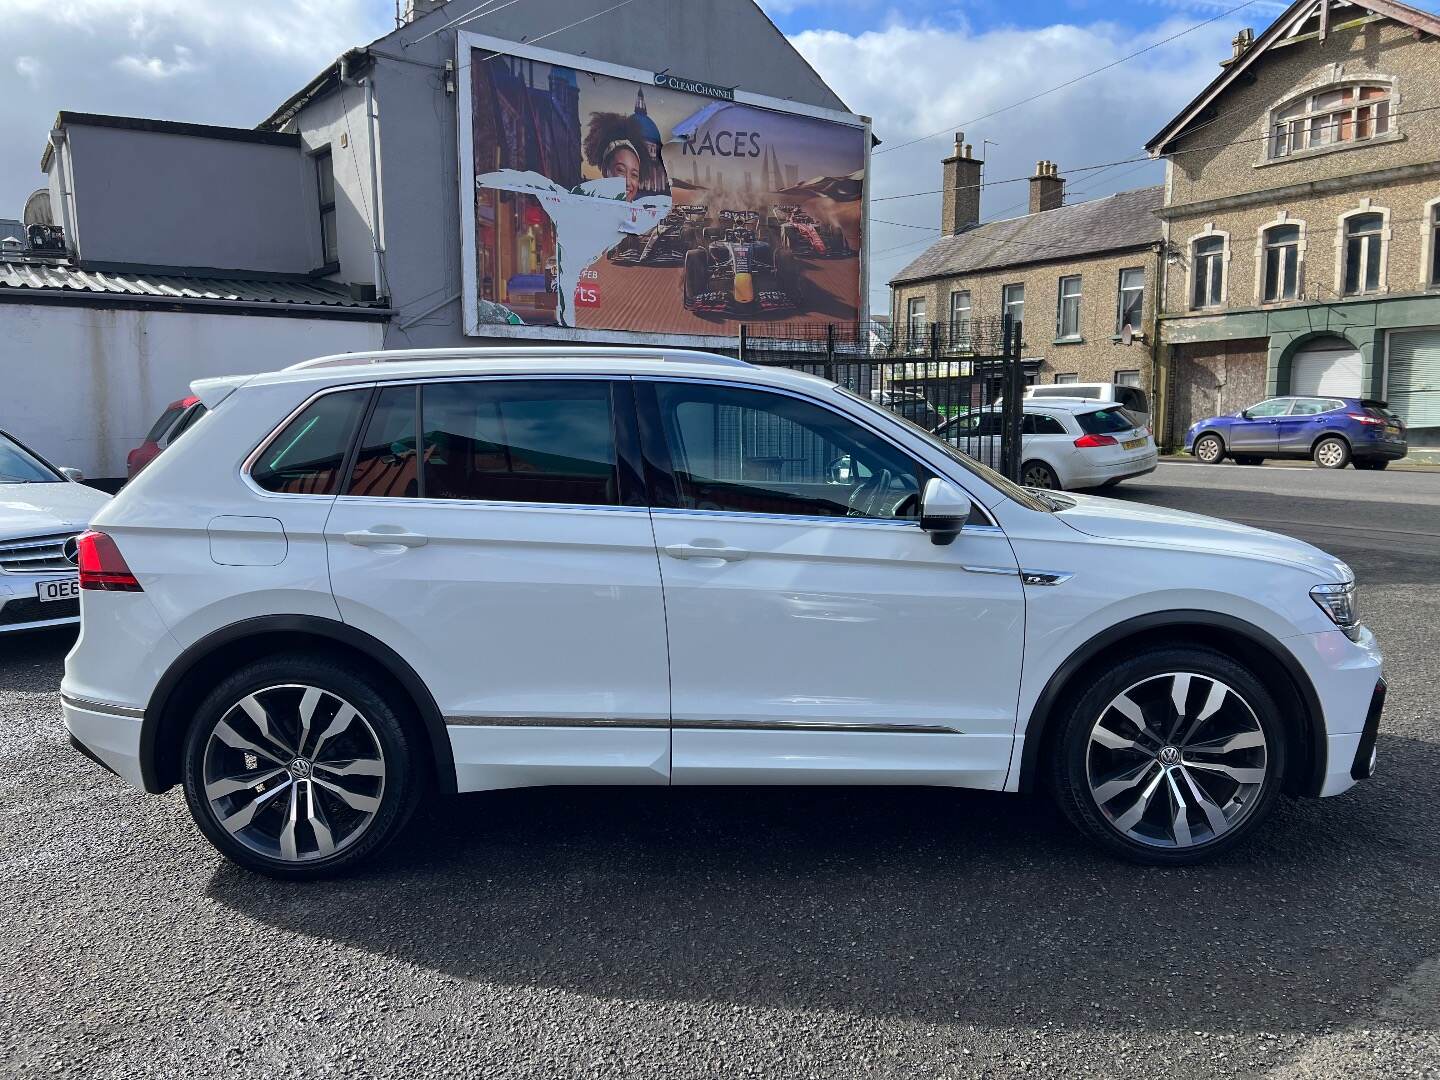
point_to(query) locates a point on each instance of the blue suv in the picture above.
(1332, 431)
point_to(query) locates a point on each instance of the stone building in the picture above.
(1301, 214)
(1076, 276)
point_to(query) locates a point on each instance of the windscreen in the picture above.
(19, 466)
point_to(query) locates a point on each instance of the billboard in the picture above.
(606, 203)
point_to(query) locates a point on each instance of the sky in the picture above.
(925, 67)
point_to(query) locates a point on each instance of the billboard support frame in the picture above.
(465, 44)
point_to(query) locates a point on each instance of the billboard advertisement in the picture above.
(603, 202)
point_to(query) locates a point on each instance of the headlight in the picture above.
(1338, 601)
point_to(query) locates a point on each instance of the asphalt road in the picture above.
(754, 933)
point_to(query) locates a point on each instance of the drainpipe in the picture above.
(377, 248)
(61, 145)
(1160, 355)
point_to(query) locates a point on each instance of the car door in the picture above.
(1306, 421)
(506, 554)
(1257, 432)
(817, 635)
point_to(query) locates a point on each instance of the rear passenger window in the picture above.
(1041, 424)
(305, 458)
(519, 440)
(385, 466)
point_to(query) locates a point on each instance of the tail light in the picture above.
(1364, 419)
(1085, 442)
(102, 567)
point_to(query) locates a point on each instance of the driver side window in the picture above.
(752, 452)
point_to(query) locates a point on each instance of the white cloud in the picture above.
(154, 67)
(30, 69)
(916, 79)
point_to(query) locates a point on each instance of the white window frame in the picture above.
(1067, 378)
(1209, 233)
(1342, 226)
(1260, 261)
(960, 325)
(1006, 302)
(1311, 120)
(1121, 290)
(915, 305)
(1076, 299)
(1429, 245)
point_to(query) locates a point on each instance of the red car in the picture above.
(174, 421)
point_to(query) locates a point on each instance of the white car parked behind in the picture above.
(1066, 445)
(470, 570)
(42, 511)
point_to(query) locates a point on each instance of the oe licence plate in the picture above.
(1133, 444)
(59, 590)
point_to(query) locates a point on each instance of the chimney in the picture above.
(960, 203)
(418, 9)
(1047, 190)
(1239, 46)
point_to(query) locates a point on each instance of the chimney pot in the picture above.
(960, 202)
(1047, 189)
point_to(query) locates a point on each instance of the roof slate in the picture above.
(1124, 220)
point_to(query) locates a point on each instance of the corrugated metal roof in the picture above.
(1124, 220)
(57, 277)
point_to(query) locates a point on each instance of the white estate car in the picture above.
(373, 574)
(1065, 445)
(42, 511)
(1135, 401)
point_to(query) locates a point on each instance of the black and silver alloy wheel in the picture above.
(299, 767)
(1172, 755)
(294, 772)
(1176, 760)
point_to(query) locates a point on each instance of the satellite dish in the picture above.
(37, 209)
(1127, 334)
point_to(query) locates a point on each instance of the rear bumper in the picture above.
(107, 734)
(1093, 475)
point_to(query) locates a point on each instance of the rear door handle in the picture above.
(382, 537)
(703, 551)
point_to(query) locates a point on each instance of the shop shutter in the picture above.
(1326, 372)
(1413, 378)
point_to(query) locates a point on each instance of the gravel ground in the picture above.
(725, 933)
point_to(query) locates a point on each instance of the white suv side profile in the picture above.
(372, 576)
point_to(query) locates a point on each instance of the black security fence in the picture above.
(962, 381)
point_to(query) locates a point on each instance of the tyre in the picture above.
(1248, 459)
(1332, 452)
(1372, 466)
(1115, 482)
(1171, 757)
(1209, 449)
(1037, 474)
(697, 276)
(298, 767)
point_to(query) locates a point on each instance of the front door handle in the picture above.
(705, 551)
(383, 537)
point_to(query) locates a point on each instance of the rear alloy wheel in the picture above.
(1037, 474)
(1332, 452)
(1172, 757)
(298, 769)
(1209, 449)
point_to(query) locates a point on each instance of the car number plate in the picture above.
(1392, 431)
(1133, 444)
(59, 590)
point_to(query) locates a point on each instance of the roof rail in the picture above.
(544, 352)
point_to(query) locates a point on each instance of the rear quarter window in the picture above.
(306, 456)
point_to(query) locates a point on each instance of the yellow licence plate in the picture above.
(1133, 444)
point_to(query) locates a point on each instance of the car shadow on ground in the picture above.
(926, 904)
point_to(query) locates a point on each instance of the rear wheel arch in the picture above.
(1331, 435)
(1243, 642)
(185, 684)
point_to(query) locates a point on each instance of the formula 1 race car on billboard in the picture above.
(734, 270)
(801, 233)
(665, 244)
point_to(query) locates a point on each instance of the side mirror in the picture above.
(1245, 414)
(72, 474)
(944, 509)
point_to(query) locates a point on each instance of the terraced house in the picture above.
(1301, 215)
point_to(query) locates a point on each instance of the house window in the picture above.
(1012, 300)
(1131, 308)
(1068, 379)
(915, 321)
(1128, 378)
(1209, 272)
(960, 318)
(1282, 263)
(1067, 318)
(1364, 236)
(1435, 244)
(325, 182)
(1345, 114)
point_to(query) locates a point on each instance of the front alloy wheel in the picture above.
(1171, 756)
(1208, 449)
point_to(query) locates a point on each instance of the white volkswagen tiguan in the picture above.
(371, 576)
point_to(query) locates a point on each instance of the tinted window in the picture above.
(188, 420)
(385, 463)
(512, 440)
(754, 452)
(157, 432)
(307, 455)
(1041, 424)
(1105, 421)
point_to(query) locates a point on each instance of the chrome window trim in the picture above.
(264, 444)
(859, 727)
(488, 504)
(557, 721)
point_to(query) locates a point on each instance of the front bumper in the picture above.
(1347, 679)
(21, 608)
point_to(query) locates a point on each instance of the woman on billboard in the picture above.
(628, 147)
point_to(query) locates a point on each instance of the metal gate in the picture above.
(964, 382)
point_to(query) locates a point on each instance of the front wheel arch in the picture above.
(1243, 642)
(184, 685)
